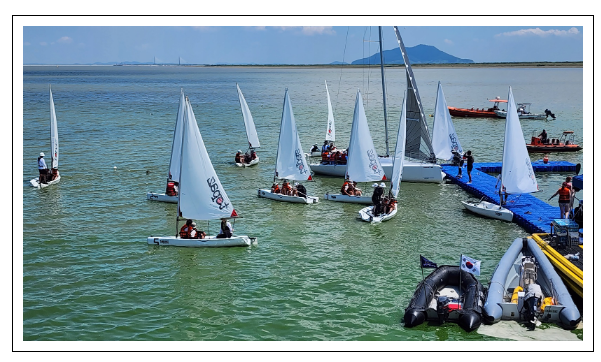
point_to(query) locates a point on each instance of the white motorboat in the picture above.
(489, 209)
(53, 175)
(199, 200)
(291, 163)
(175, 160)
(517, 175)
(413, 170)
(251, 131)
(523, 112)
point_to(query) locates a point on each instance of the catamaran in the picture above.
(517, 174)
(420, 164)
(53, 176)
(368, 214)
(290, 160)
(201, 195)
(251, 133)
(171, 191)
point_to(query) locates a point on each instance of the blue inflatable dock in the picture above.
(531, 213)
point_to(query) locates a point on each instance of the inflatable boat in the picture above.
(525, 287)
(443, 297)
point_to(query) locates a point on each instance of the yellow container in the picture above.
(546, 302)
(514, 296)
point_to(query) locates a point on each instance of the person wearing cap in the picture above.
(565, 194)
(186, 230)
(239, 157)
(42, 168)
(301, 191)
(226, 230)
(195, 233)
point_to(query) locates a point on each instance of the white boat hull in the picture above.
(251, 163)
(412, 171)
(286, 198)
(35, 182)
(208, 242)
(366, 215)
(350, 199)
(490, 210)
(503, 114)
(161, 197)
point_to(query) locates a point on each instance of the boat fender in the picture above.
(547, 301)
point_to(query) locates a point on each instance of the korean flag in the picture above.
(470, 265)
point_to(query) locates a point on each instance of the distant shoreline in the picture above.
(445, 65)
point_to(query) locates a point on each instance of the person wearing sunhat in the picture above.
(376, 198)
(301, 191)
(42, 168)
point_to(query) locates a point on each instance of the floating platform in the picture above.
(531, 213)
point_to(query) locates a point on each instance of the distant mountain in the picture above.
(419, 54)
(339, 63)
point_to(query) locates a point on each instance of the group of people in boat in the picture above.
(382, 204)
(46, 174)
(246, 157)
(350, 188)
(330, 155)
(298, 189)
(189, 230)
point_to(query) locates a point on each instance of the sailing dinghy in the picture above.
(517, 175)
(367, 214)
(444, 137)
(53, 175)
(201, 195)
(290, 161)
(330, 130)
(170, 194)
(251, 132)
(363, 164)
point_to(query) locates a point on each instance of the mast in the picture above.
(383, 89)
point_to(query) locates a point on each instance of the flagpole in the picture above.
(460, 269)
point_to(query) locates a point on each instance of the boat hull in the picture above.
(35, 182)
(286, 198)
(447, 281)
(349, 199)
(552, 148)
(208, 242)
(490, 210)
(505, 278)
(161, 197)
(466, 112)
(503, 114)
(412, 171)
(366, 215)
(251, 163)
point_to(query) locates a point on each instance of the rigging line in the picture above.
(341, 66)
(368, 68)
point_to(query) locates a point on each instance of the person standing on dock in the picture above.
(470, 165)
(565, 194)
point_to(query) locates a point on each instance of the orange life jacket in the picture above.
(276, 189)
(564, 195)
(171, 189)
(286, 189)
(184, 232)
(325, 156)
(344, 188)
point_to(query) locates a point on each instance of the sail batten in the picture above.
(176, 146)
(399, 152)
(201, 195)
(363, 163)
(517, 174)
(53, 133)
(331, 131)
(251, 132)
(290, 163)
(444, 137)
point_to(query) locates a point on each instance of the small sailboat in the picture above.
(444, 137)
(201, 195)
(363, 163)
(250, 158)
(517, 175)
(170, 194)
(53, 175)
(290, 161)
(330, 130)
(370, 214)
(525, 287)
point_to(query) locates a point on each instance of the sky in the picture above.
(209, 42)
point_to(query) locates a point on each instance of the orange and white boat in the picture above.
(565, 143)
(478, 112)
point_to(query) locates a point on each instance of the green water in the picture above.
(317, 273)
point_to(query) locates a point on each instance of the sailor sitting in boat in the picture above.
(195, 233)
(226, 230)
(388, 204)
(354, 189)
(42, 168)
(275, 188)
(253, 155)
(247, 157)
(172, 188)
(185, 231)
(239, 157)
(301, 191)
(314, 148)
(286, 188)
(376, 198)
(345, 188)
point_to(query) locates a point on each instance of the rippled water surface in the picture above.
(317, 273)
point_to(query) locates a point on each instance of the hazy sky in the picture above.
(315, 44)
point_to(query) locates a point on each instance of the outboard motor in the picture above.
(549, 114)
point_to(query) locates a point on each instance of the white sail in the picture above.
(251, 132)
(53, 133)
(517, 174)
(399, 152)
(291, 163)
(363, 163)
(444, 137)
(331, 131)
(176, 146)
(201, 196)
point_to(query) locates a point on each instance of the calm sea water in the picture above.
(317, 273)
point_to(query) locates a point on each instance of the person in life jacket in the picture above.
(275, 188)
(239, 157)
(390, 205)
(186, 230)
(171, 188)
(565, 195)
(247, 157)
(286, 188)
(325, 148)
(43, 169)
(345, 187)
(325, 157)
(253, 155)
(195, 233)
